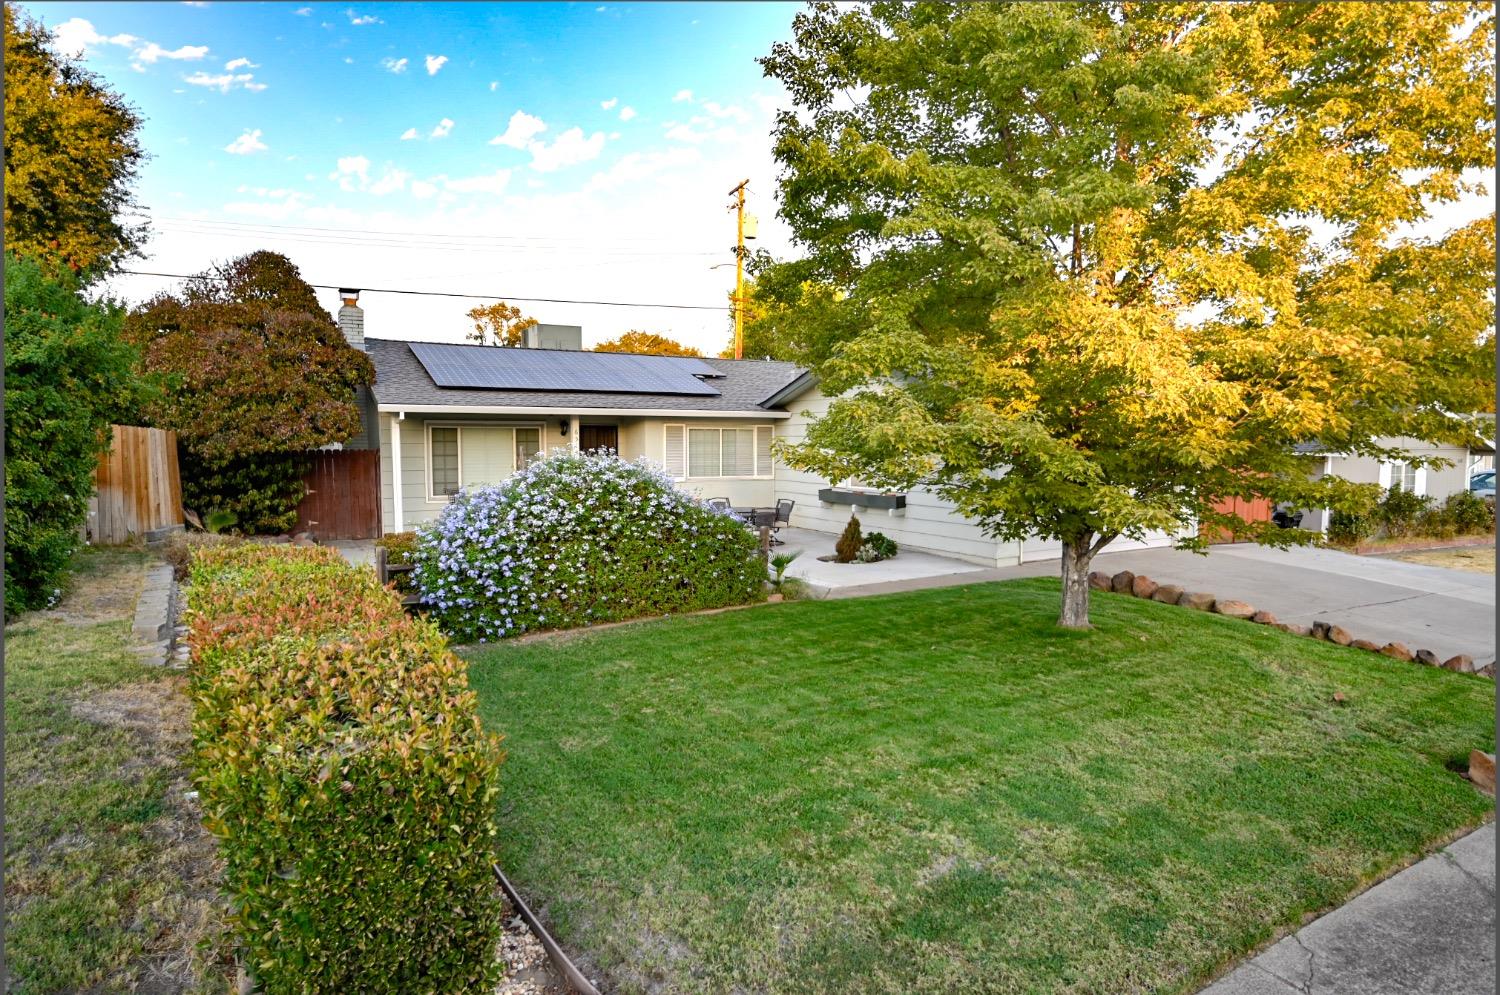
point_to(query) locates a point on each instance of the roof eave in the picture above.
(800, 385)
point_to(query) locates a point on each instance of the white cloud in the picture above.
(76, 36)
(626, 113)
(352, 172)
(494, 183)
(348, 60)
(717, 110)
(224, 82)
(195, 3)
(408, 134)
(234, 64)
(520, 131)
(610, 103)
(494, 85)
(569, 149)
(635, 167)
(247, 144)
(390, 181)
(302, 11)
(422, 189)
(358, 19)
(699, 130)
(443, 127)
(394, 65)
(434, 63)
(151, 51)
(682, 96)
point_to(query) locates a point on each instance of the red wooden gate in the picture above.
(343, 494)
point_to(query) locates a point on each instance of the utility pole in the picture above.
(739, 268)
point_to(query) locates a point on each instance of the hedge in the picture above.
(340, 763)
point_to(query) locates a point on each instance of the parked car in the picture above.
(1482, 484)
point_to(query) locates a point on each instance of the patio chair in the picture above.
(720, 504)
(782, 519)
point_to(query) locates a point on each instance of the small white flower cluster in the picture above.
(575, 539)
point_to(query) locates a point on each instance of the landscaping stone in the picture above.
(1120, 582)
(1320, 630)
(1482, 771)
(1463, 663)
(1365, 644)
(1292, 628)
(1197, 600)
(1099, 581)
(1234, 609)
(1428, 658)
(1339, 636)
(1397, 651)
(1168, 594)
(1143, 587)
(1263, 618)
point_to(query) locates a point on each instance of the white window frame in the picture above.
(434, 498)
(767, 472)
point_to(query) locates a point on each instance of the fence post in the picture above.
(765, 546)
(380, 565)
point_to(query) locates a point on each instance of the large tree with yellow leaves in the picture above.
(1103, 264)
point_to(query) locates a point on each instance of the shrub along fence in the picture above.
(341, 764)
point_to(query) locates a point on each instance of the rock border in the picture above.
(155, 611)
(1141, 586)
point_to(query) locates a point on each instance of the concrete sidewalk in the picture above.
(1429, 930)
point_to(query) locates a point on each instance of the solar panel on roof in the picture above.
(695, 366)
(493, 368)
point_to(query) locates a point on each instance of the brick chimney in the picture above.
(352, 319)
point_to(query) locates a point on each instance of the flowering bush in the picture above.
(576, 539)
(877, 546)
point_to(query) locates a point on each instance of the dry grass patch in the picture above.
(1478, 559)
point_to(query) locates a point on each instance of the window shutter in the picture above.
(1419, 485)
(1384, 477)
(676, 451)
(763, 451)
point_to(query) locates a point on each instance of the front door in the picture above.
(599, 437)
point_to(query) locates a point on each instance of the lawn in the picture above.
(110, 878)
(941, 791)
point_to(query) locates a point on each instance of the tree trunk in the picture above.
(1077, 554)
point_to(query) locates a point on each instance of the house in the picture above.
(1438, 483)
(446, 416)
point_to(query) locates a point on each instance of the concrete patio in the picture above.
(904, 571)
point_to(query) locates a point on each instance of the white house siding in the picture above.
(927, 523)
(488, 457)
(648, 438)
(1438, 483)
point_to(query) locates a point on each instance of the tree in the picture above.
(68, 376)
(1103, 264)
(499, 324)
(646, 343)
(256, 373)
(71, 155)
(778, 313)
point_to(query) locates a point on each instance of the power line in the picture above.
(439, 293)
(405, 234)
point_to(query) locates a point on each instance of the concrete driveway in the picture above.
(1383, 600)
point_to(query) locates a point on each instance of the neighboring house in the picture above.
(450, 416)
(1438, 483)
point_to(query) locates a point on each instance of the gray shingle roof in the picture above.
(401, 379)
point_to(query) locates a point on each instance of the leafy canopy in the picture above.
(499, 324)
(254, 364)
(1102, 264)
(71, 155)
(68, 376)
(646, 343)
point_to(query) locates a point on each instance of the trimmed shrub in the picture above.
(68, 376)
(341, 765)
(260, 491)
(1469, 513)
(848, 546)
(575, 539)
(877, 546)
(1400, 510)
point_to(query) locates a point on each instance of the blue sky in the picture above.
(548, 150)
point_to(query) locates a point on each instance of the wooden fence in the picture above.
(343, 495)
(138, 488)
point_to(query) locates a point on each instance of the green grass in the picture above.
(109, 878)
(941, 791)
